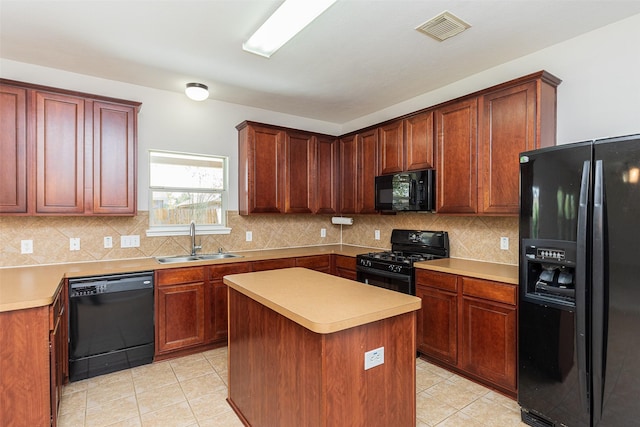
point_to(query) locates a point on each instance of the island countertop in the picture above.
(321, 302)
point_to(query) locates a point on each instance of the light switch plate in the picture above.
(376, 234)
(504, 243)
(323, 232)
(249, 236)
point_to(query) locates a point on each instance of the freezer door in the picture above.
(550, 189)
(616, 282)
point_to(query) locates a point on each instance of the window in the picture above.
(186, 187)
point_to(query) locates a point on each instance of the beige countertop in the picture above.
(35, 286)
(505, 273)
(321, 302)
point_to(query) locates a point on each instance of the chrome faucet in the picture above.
(192, 233)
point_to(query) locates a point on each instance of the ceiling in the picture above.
(359, 57)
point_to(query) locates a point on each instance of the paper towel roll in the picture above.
(341, 220)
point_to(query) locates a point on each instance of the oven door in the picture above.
(386, 279)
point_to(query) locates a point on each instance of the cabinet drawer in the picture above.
(495, 291)
(314, 262)
(179, 276)
(444, 281)
(273, 264)
(346, 262)
(217, 272)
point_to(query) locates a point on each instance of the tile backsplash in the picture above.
(470, 237)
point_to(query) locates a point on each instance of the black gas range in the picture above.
(394, 269)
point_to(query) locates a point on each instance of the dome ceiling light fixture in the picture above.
(287, 21)
(197, 91)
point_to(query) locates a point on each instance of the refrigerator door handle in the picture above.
(598, 292)
(581, 287)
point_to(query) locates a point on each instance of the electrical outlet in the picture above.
(504, 243)
(373, 358)
(249, 236)
(74, 244)
(108, 242)
(323, 232)
(26, 246)
(376, 234)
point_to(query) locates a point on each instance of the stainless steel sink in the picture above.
(188, 258)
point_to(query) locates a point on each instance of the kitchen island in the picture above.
(297, 343)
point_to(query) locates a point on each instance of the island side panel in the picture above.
(275, 367)
(380, 396)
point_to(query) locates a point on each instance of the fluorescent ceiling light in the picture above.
(290, 18)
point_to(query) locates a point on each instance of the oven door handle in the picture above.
(383, 273)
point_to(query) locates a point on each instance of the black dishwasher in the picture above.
(110, 323)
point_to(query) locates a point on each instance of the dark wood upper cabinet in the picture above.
(13, 149)
(327, 175)
(68, 153)
(261, 165)
(391, 148)
(473, 142)
(367, 146)
(59, 153)
(300, 172)
(286, 171)
(418, 141)
(457, 182)
(114, 159)
(514, 119)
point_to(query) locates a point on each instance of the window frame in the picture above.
(183, 229)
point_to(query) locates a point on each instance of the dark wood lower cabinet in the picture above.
(344, 266)
(470, 326)
(191, 302)
(180, 308)
(281, 373)
(320, 263)
(32, 349)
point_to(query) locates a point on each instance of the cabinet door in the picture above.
(457, 164)
(419, 141)
(391, 148)
(13, 149)
(261, 165)
(488, 341)
(217, 328)
(348, 175)
(326, 181)
(114, 159)
(180, 308)
(60, 154)
(508, 128)
(367, 143)
(299, 171)
(345, 266)
(437, 324)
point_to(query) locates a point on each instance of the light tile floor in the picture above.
(190, 391)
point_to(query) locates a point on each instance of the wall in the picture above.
(471, 237)
(599, 94)
(598, 97)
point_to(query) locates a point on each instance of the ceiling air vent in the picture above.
(443, 26)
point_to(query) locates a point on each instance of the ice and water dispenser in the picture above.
(550, 271)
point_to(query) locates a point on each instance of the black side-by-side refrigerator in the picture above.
(579, 296)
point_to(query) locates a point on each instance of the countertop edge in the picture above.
(504, 273)
(325, 328)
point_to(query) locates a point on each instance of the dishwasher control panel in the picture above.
(88, 290)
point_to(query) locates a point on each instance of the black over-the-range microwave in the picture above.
(408, 191)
